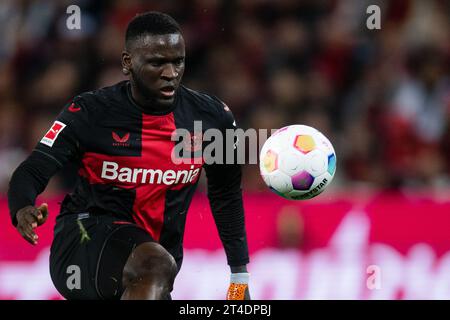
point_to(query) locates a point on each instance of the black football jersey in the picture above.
(125, 165)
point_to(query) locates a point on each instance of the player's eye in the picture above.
(155, 64)
(179, 62)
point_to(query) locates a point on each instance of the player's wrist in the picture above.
(240, 278)
(239, 269)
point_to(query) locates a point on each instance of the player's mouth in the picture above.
(167, 91)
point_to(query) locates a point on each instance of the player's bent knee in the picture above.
(150, 262)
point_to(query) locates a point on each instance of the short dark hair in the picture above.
(152, 22)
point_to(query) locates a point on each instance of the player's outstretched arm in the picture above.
(225, 197)
(27, 182)
(59, 146)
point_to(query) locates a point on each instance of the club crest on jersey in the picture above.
(121, 141)
(52, 134)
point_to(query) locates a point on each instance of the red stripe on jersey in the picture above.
(150, 175)
(156, 149)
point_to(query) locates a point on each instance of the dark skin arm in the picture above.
(29, 218)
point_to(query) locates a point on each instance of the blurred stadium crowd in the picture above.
(381, 96)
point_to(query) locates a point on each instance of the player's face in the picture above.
(156, 64)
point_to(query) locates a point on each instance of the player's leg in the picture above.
(149, 273)
(132, 265)
(98, 257)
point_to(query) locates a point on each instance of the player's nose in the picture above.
(169, 71)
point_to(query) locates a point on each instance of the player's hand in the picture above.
(28, 219)
(238, 289)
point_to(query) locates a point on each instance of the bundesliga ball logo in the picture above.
(297, 162)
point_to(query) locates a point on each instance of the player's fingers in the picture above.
(27, 223)
(29, 230)
(30, 219)
(43, 209)
(26, 235)
(36, 212)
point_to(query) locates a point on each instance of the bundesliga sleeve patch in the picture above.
(52, 134)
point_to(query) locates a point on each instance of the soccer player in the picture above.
(123, 225)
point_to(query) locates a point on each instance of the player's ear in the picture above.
(126, 63)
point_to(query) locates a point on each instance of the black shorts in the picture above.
(89, 252)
